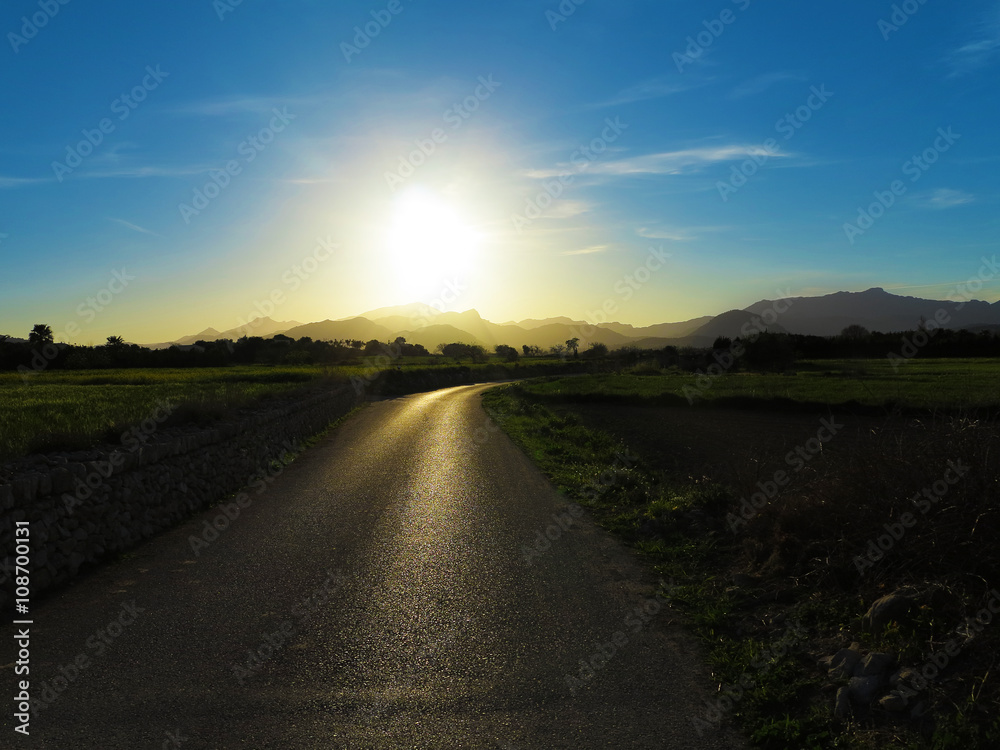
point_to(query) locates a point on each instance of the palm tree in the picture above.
(40, 335)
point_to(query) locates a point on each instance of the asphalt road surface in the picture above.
(375, 594)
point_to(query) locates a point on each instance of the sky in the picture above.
(173, 166)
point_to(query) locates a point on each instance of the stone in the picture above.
(907, 676)
(844, 662)
(62, 481)
(864, 689)
(842, 706)
(874, 665)
(893, 607)
(894, 702)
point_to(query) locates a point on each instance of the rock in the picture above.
(874, 665)
(842, 707)
(844, 662)
(864, 689)
(894, 702)
(909, 677)
(896, 606)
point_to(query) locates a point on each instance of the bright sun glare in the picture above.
(429, 245)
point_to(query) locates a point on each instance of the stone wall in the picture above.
(86, 506)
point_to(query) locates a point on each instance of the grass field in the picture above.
(74, 409)
(929, 383)
(740, 584)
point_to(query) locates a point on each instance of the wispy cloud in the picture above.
(684, 161)
(587, 250)
(762, 83)
(147, 171)
(15, 182)
(665, 234)
(981, 50)
(644, 91)
(568, 209)
(135, 227)
(944, 198)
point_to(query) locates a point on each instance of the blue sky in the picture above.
(525, 158)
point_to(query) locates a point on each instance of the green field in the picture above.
(75, 409)
(926, 383)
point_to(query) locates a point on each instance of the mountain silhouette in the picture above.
(826, 315)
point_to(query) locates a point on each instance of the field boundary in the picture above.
(85, 508)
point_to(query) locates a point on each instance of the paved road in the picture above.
(374, 595)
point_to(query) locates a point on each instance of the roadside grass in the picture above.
(795, 566)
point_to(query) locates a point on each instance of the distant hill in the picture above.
(732, 324)
(876, 310)
(826, 315)
(661, 330)
(263, 327)
(331, 330)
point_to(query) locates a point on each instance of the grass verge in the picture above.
(770, 597)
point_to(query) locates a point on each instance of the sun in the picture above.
(429, 244)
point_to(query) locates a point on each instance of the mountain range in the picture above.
(827, 315)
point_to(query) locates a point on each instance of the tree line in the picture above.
(766, 351)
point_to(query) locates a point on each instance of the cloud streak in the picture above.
(980, 51)
(680, 162)
(135, 227)
(641, 92)
(586, 250)
(944, 198)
